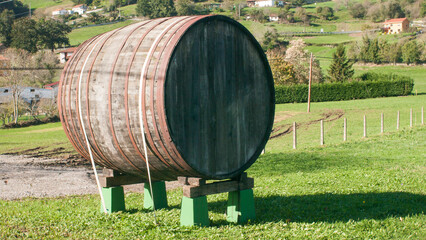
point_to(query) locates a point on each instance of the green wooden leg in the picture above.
(240, 206)
(194, 211)
(160, 196)
(114, 199)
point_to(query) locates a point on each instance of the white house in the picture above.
(80, 9)
(59, 12)
(65, 54)
(268, 3)
(273, 18)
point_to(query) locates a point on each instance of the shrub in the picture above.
(369, 85)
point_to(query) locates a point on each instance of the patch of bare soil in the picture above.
(69, 157)
(24, 176)
(328, 116)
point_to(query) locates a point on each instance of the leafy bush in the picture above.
(32, 122)
(369, 85)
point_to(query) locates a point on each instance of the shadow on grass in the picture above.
(334, 207)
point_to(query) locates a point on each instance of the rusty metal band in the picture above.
(80, 50)
(126, 95)
(145, 79)
(144, 72)
(98, 150)
(110, 98)
(59, 101)
(182, 164)
(69, 120)
(65, 123)
(77, 133)
(162, 79)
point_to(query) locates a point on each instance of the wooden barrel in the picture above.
(200, 88)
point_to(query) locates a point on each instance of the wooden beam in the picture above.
(119, 180)
(217, 187)
(191, 181)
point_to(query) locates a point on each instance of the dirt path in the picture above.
(22, 176)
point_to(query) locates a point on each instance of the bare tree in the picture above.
(299, 58)
(23, 71)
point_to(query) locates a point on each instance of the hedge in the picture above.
(369, 85)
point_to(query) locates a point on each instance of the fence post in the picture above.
(294, 136)
(322, 133)
(381, 124)
(344, 130)
(411, 117)
(397, 121)
(365, 126)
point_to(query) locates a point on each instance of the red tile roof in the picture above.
(48, 86)
(77, 6)
(395, 20)
(68, 50)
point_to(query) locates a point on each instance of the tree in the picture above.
(373, 53)
(357, 10)
(297, 3)
(299, 58)
(185, 8)
(394, 53)
(24, 35)
(6, 21)
(156, 8)
(23, 62)
(52, 33)
(282, 71)
(16, 6)
(326, 13)
(411, 52)
(271, 40)
(341, 68)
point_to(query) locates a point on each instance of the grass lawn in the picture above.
(47, 138)
(128, 10)
(46, 3)
(366, 189)
(79, 35)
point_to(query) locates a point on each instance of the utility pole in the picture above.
(30, 10)
(310, 83)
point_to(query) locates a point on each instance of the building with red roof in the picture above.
(396, 25)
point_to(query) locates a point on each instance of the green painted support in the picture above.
(194, 211)
(114, 199)
(160, 196)
(240, 206)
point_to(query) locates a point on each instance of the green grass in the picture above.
(330, 39)
(128, 10)
(35, 4)
(78, 36)
(48, 138)
(360, 190)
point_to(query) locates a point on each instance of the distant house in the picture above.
(397, 25)
(80, 9)
(51, 86)
(65, 54)
(59, 12)
(274, 18)
(267, 3)
(30, 95)
(251, 3)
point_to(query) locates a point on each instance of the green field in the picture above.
(35, 4)
(79, 35)
(365, 189)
